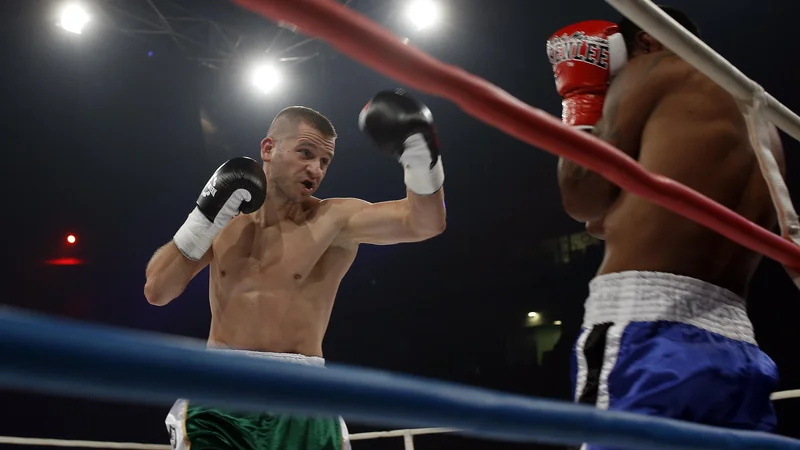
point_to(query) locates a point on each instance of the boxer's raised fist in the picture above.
(403, 127)
(584, 57)
(238, 185)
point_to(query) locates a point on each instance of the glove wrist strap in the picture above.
(421, 176)
(196, 235)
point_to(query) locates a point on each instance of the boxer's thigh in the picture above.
(683, 372)
(679, 371)
(208, 428)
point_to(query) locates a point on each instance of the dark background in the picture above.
(106, 142)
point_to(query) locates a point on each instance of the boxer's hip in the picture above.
(626, 297)
(200, 427)
(668, 345)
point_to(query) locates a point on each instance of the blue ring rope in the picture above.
(70, 358)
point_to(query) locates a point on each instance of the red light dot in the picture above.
(71, 238)
(64, 262)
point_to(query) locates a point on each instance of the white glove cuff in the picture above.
(196, 235)
(420, 177)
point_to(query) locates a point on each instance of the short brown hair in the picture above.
(296, 114)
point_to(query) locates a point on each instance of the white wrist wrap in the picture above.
(420, 177)
(196, 235)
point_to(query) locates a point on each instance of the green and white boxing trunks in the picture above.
(199, 427)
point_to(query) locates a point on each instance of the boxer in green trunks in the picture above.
(205, 427)
(276, 255)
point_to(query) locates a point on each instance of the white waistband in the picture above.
(288, 357)
(656, 296)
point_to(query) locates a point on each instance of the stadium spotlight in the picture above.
(423, 13)
(265, 77)
(73, 18)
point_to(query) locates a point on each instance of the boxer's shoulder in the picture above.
(333, 212)
(338, 211)
(643, 83)
(657, 70)
(342, 207)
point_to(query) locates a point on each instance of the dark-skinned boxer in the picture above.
(665, 330)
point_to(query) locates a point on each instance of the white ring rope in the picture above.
(400, 433)
(12, 440)
(785, 395)
(9, 440)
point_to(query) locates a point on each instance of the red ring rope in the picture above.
(374, 46)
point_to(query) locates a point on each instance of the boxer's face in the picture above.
(298, 161)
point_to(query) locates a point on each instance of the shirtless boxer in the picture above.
(275, 268)
(665, 330)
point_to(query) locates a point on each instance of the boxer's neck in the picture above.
(277, 208)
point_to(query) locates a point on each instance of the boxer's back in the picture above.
(697, 136)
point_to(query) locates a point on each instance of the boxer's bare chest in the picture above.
(284, 251)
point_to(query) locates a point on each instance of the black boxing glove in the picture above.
(239, 185)
(403, 127)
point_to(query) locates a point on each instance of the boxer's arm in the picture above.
(586, 195)
(412, 219)
(238, 185)
(169, 272)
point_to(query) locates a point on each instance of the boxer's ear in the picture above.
(267, 147)
(647, 43)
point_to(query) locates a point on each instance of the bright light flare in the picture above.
(266, 78)
(423, 13)
(73, 18)
(71, 239)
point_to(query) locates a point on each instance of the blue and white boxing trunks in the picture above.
(671, 346)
